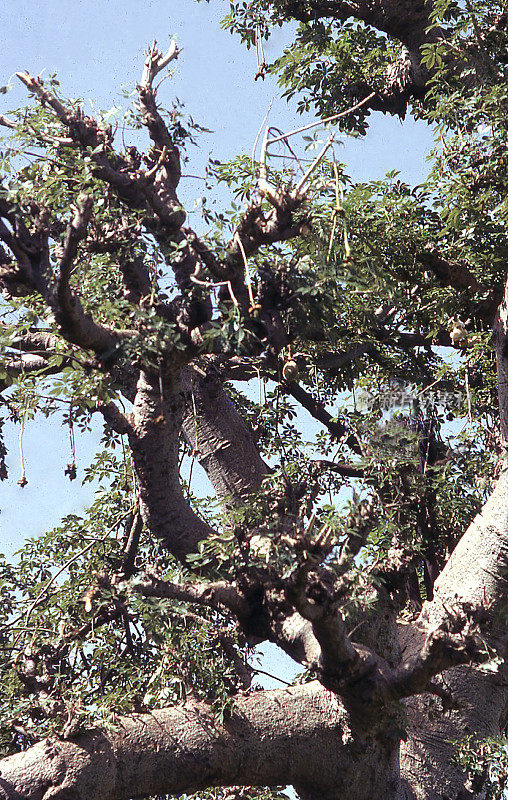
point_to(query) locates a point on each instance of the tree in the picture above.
(127, 631)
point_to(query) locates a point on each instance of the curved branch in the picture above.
(167, 156)
(272, 738)
(476, 574)
(115, 418)
(406, 21)
(220, 595)
(154, 441)
(475, 580)
(449, 273)
(339, 661)
(441, 650)
(321, 466)
(29, 362)
(31, 273)
(75, 325)
(319, 412)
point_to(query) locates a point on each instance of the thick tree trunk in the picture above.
(300, 735)
(328, 748)
(220, 439)
(154, 441)
(474, 576)
(428, 769)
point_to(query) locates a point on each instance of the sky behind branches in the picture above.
(96, 48)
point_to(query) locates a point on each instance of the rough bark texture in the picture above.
(501, 345)
(219, 438)
(406, 21)
(342, 742)
(476, 573)
(271, 738)
(154, 440)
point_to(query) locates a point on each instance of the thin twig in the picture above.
(211, 285)
(315, 163)
(468, 395)
(323, 121)
(269, 675)
(22, 481)
(247, 272)
(75, 557)
(258, 134)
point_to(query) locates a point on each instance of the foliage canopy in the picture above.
(370, 305)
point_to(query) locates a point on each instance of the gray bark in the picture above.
(501, 345)
(304, 735)
(154, 441)
(220, 439)
(476, 574)
(300, 735)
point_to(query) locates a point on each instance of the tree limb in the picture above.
(219, 595)
(32, 272)
(76, 326)
(219, 438)
(347, 470)
(131, 545)
(336, 427)
(271, 738)
(314, 599)
(501, 348)
(154, 441)
(116, 419)
(449, 273)
(476, 574)
(443, 648)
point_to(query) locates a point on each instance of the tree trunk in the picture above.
(220, 439)
(300, 735)
(475, 575)
(154, 441)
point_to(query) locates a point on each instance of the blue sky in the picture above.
(96, 48)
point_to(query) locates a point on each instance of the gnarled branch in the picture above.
(272, 738)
